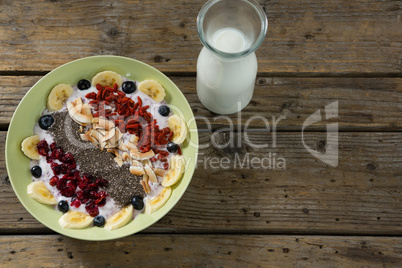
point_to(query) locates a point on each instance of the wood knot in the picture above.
(112, 32)
(371, 166)
(309, 36)
(321, 146)
(159, 58)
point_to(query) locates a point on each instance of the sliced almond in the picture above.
(136, 163)
(136, 170)
(126, 157)
(134, 139)
(150, 173)
(132, 147)
(85, 137)
(106, 124)
(141, 156)
(122, 146)
(113, 151)
(118, 160)
(102, 131)
(95, 120)
(86, 109)
(109, 134)
(159, 172)
(145, 186)
(96, 135)
(77, 104)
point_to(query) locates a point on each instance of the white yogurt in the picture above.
(111, 206)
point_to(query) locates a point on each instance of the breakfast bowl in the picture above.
(34, 103)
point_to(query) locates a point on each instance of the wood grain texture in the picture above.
(203, 251)
(365, 104)
(362, 195)
(312, 37)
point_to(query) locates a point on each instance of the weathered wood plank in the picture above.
(362, 195)
(204, 251)
(315, 37)
(373, 104)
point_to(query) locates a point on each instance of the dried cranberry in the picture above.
(43, 148)
(72, 185)
(82, 185)
(92, 209)
(56, 168)
(61, 184)
(76, 203)
(101, 182)
(93, 186)
(68, 159)
(100, 202)
(68, 192)
(93, 195)
(53, 146)
(53, 180)
(64, 168)
(57, 154)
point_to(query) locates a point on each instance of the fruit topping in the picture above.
(75, 220)
(172, 147)
(152, 89)
(46, 121)
(28, 147)
(164, 110)
(83, 84)
(38, 191)
(175, 171)
(107, 79)
(120, 218)
(137, 202)
(129, 87)
(36, 171)
(179, 128)
(99, 221)
(63, 206)
(158, 201)
(58, 96)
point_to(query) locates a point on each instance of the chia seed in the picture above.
(122, 184)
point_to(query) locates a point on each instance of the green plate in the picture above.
(29, 111)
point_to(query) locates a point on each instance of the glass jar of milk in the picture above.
(230, 30)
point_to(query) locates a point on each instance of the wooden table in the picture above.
(310, 214)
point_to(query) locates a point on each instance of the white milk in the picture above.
(226, 85)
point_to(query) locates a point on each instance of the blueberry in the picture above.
(99, 221)
(36, 171)
(46, 121)
(172, 147)
(128, 87)
(137, 202)
(164, 110)
(83, 84)
(63, 206)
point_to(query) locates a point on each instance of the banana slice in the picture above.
(107, 79)
(28, 147)
(175, 172)
(57, 96)
(158, 201)
(152, 89)
(179, 128)
(38, 191)
(75, 220)
(120, 218)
